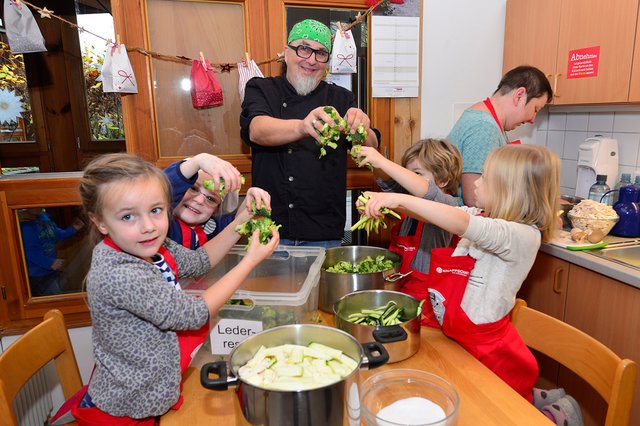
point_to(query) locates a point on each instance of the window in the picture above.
(53, 124)
(104, 109)
(53, 242)
(217, 30)
(16, 123)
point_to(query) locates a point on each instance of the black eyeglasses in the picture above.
(305, 52)
(208, 199)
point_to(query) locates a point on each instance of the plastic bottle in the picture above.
(637, 185)
(625, 179)
(598, 189)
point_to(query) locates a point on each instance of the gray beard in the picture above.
(305, 85)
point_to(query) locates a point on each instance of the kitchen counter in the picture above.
(484, 398)
(586, 259)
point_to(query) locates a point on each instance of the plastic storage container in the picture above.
(282, 289)
(599, 189)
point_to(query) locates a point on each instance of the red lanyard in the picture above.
(492, 110)
(168, 257)
(186, 235)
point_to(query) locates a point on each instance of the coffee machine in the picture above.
(596, 156)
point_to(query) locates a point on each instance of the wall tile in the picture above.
(567, 130)
(601, 121)
(593, 134)
(542, 119)
(572, 141)
(526, 133)
(628, 147)
(627, 122)
(627, 169)
(577, 121)
(568, 175)
(541, 138)
(555, 142)
(557, 120)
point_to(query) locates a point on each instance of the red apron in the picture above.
(186, 231)
(497, 345)
(489, 105)
(189, 341)
(416, 284)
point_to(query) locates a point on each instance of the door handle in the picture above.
(557, 285)
(555, 85)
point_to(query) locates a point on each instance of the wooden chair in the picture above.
(613, 378)
(47, 341)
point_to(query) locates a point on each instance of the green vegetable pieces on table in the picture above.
(371, 223)
(261, 220)
(209, 184)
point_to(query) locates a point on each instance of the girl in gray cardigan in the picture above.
(136, 312)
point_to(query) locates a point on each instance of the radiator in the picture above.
(33, 404)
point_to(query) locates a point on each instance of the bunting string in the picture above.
(221, 67)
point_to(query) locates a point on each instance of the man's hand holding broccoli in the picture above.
(329, 135)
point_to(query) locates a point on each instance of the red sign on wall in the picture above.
(584, 62)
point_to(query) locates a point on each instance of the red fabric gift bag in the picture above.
(205, 89)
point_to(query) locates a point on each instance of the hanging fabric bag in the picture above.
(117, 74)
(23, 32)
(205, 89)
(246, 71)
(344, 54)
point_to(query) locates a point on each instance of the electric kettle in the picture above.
(628, 209)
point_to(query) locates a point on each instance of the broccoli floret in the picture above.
(262, 211)
(330, 135)
(262, 223)
(355, 154)
(208, 184)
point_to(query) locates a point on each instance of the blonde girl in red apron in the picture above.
(473, 288)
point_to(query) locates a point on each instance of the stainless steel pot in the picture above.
(401, 341)
(324, 406)
(334, 285)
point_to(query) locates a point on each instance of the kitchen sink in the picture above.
(626, 253)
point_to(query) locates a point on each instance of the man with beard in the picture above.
(280, 120)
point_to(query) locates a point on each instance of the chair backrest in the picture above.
(613, 378)
(47, 341)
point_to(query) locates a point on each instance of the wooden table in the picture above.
(484, 398)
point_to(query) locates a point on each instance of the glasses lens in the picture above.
(208, 199)
(304, 51)
(322, 56)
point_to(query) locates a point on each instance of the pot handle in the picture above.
(389, 334)
(375, 355)
(396, 276)
(222, 382)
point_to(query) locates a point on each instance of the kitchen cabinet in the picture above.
(602, 307)
(542, 34)
(634, 89)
